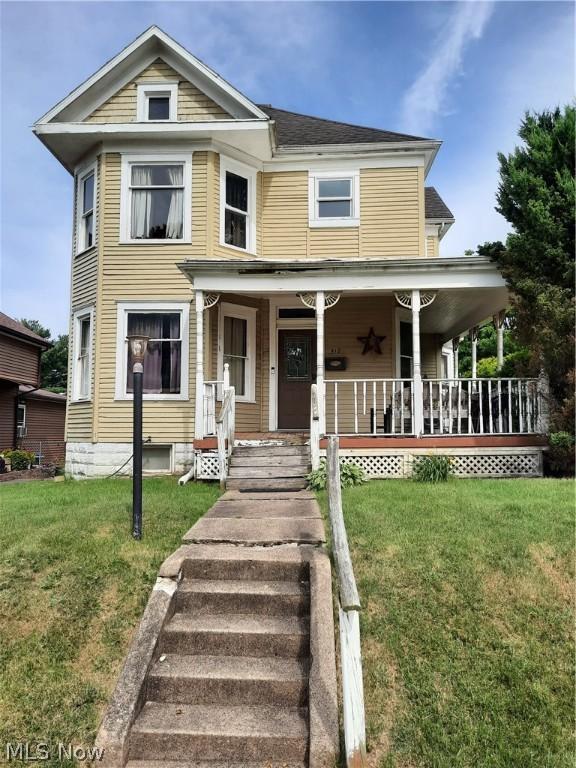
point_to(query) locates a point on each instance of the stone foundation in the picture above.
(85, 460)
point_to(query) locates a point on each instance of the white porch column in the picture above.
(474, 344)
(455, 350)
(417, 365)
(320, 306)
(499, 323)
(199, 411)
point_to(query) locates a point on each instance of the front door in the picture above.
(296, 373)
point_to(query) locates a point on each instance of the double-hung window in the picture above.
(86, 205)
(406, 351)
(166, 360)
(156, 195)
(236, 348)
(334, 199)
(21, 420)
(237, 203)
(82, 360)
(157, 102)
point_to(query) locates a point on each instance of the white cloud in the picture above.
(427, 96)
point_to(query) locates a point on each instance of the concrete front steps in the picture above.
(268, 468)
(229, 681)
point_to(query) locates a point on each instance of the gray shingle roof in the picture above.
(434, 206)
(294, 129)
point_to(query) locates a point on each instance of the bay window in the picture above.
(237, 205)
(156, 199)
(166, 361)
(85, 209)
(82, 355)
(334, 199)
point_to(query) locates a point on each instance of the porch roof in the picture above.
(470, 289)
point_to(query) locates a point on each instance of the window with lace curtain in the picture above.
(156, 200)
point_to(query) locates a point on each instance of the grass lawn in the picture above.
(73, 585)
(467, 627)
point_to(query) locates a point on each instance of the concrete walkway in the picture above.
(262, 518)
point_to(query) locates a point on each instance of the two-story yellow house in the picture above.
(271, 250)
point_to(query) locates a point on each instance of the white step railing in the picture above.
(314, 427)
(349, 619)
(483, 407)
(369, 406)
(211, 389)
(225, 428)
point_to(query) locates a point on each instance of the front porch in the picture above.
(379, 342)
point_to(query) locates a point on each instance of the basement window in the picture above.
(156, 458)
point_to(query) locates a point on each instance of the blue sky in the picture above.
(463, 72)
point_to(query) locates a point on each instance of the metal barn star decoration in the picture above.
(371, 342)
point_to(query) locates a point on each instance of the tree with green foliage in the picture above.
(54, 361)
(516, 357)
(537, 196)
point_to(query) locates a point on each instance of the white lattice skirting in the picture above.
(207, 466)
(468, 462)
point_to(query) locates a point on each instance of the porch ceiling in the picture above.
(454, 312)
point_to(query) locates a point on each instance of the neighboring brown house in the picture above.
(30, 417)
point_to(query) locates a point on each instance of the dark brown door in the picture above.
(296, 373)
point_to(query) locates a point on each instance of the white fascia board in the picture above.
(153, 33)
(46, 129)
(337, 149)
(353, 162)
(348, 281)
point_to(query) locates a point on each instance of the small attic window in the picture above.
(157, 102)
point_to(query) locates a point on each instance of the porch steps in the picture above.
(229, 681)
(268, 468)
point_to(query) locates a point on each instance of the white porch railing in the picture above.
(369, 406)
(349, 619)
(483, 407)
(314, 427)
(209, 406)
(225, 427)
(447, 407)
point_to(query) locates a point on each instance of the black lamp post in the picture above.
(138, 344)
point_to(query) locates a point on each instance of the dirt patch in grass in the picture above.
(554, 568)
(383, 700)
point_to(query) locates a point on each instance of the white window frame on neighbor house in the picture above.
(249, 315)
(128, 160)
(146, 91)
(80, 316)
(81, 176)
(123, 308)
(21, 424)
(250, 174)
(314, 179)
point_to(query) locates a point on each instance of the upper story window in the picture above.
(237, 205)
(334, 199)
(86, 209)
(157, 102)
(166, 360)
(156, 199)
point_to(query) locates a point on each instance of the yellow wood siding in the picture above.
(391, 217)
(193, 105)
(432, 246)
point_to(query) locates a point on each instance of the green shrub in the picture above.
(432, 469)
(350, 474)
(561, 454)
(19, 459)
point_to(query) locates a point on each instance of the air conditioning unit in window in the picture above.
(21, 431)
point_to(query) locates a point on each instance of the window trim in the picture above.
(78, 316)
(23, 424)
(122, 309)
(81, 176)
(243, 313)
(128, 160)
(314, 177)
(145, 90)
(248, 173)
